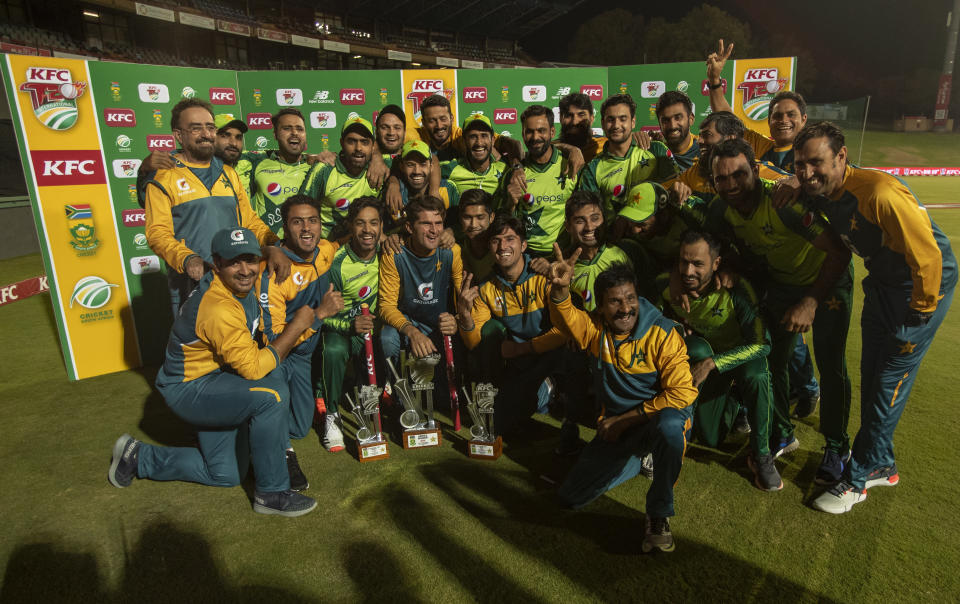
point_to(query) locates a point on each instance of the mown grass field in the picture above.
(433, 525)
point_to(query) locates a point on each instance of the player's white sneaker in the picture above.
(332, 438)
(839, 498)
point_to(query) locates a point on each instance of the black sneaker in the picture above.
(569, 439)
(298, 481)
(831, 467)
(284, 503)
(657, 536)
(765, 474)
(123, 466)
(806, 405)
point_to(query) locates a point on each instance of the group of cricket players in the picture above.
(653, 287)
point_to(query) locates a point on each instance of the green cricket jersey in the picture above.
(542, 207)
(461, 176)
(726, 318)
(481, 268)
(271, 182)
(586, 271)
(335, 189)
(614, 176)
(358, 281)
(777, 239)
(664, 248)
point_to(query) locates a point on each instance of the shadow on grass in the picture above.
(376, 574)
(168, 564)
(597, 547)
(157, 421)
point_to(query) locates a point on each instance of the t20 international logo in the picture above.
(53, 94)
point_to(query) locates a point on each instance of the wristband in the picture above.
(715, 86)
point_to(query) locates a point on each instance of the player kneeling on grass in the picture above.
(355, 272)
(638, 362)
(727, 340)
(216, 377)
(530, 348)
(308, 285)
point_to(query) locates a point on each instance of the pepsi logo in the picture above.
(528, 198)
(274, 189)
(588, 296)
(618, 190)
(364, 292)
(342, 203)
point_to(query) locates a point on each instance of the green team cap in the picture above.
(415, 146)
(643, 201)
(357, 124)
(226, 120)
(230, 243)
(477, 120)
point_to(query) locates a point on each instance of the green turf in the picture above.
(432, 525)
(884, 148)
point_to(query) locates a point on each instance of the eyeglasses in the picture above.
(197, 129)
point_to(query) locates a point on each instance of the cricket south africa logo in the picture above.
(53, 94)
(91, 292)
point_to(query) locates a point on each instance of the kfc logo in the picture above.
(223, 96)
(352, 96)
(594, 92)
(134, 218)
(323, 119)
(477, 94)
(126, 168)
(534, 94)
(259, 121)
(290, 97)
(161, 142)
(504, 116)
(120, 118)
(153, 93)
(67, 168)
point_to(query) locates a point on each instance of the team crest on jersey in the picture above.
(53, 94)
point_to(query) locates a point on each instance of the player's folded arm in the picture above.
(231, 342)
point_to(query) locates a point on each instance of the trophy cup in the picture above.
(419, 428)
(483, 443)
(371, 442)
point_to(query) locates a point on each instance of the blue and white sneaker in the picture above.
(785, 446)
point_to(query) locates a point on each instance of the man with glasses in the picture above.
(197, 197)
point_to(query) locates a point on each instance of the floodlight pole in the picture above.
(863, 130)
(946, 77)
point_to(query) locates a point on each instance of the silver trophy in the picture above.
(480, 408)
(367, 412)
(415, 385)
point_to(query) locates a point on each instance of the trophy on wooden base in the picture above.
(483, 444)
(371, 442)
(419, 428)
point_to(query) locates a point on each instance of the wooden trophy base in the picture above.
(419, 439)
(482, 449)
(373, 451)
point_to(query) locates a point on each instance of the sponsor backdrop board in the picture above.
(83, 128)
(748, 86)
(134, 103)
(326, 99)
(503, 94)
(66, 173)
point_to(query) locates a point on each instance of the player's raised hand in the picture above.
(561, 270)
(377, 171)
(278, 263)
(324, 157)
(541, 266)
(679, 193)
(785, 191)
(331, 304)
(716, 61)
(575, 162)
(466, 296)
(393, 197)
(157, 160)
